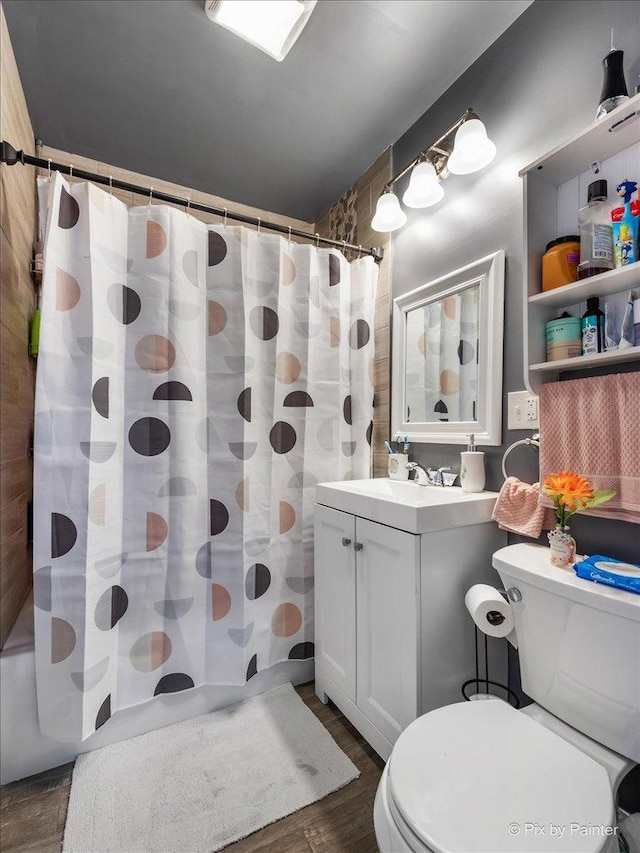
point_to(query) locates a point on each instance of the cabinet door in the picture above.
(388, 597)
(335, 597)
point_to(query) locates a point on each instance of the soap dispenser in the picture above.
(472, 476)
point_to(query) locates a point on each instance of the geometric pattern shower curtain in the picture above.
(194, 383)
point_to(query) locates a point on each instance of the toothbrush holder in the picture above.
(398, 466)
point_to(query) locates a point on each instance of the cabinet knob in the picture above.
(346, 542)
(358, 546)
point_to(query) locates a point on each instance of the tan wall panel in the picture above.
(17, 217)
(369, 186)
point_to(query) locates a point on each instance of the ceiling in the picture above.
(153, 86)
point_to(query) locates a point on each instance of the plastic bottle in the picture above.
(614, 87)
(592, 327)
(596, 234)
(625, 223)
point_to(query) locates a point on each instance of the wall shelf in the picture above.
(555, 187)
(601, 140)
(582, 362)
(614, 281)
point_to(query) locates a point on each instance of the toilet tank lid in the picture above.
(480, 776)
(530, 563)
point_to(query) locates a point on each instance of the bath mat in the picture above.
(201, 784)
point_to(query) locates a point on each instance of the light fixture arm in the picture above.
(439, 147)
(464, 148)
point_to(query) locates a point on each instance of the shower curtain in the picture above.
(194, 383)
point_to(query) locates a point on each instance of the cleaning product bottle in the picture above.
(592, 327)
(596, 235)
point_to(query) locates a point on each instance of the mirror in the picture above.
(447, 357)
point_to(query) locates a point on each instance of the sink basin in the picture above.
(407, 506)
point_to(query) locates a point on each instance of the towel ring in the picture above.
(534, 441)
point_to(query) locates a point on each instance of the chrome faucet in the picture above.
(421, 476)
(429, 477)
(436, 478)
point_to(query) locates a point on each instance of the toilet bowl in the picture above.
(481, 777)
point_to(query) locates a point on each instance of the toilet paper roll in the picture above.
(489, 610)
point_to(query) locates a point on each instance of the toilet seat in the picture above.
(481, 777)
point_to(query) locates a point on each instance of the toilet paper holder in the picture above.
(513, 594)
(468, 695)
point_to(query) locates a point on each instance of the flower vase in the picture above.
(562, 547)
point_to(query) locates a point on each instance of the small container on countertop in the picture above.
(398, 466)
(472, 476)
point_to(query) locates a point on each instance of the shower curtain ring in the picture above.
(110, 186)
(49, 165)
(70, 172)
(188, 205)
(359, 251)
(317, 240)
(289, 239)
(259, 224)
(225, 218)
(344, 247)
(150, 197)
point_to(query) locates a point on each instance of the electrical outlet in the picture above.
(522, 410)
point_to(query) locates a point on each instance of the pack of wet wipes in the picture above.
(610, 572)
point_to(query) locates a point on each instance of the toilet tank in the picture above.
(579, 646)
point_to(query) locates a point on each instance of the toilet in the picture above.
(483, 777)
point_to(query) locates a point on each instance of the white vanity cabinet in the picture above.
(367, 583)
(393, 637)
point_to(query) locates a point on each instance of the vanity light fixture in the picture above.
(270, 25)
(424, 187)
(463, 149)
(389, 216)
(472, 149)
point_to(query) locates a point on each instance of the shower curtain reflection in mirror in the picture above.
(442, 358)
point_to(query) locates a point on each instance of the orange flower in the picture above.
(569, 490)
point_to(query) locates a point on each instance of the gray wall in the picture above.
(534, 88)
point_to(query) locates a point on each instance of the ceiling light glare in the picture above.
(270, 25)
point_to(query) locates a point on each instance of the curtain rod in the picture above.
(10, 156)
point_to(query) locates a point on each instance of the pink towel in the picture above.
(592, 426)
(519, 508)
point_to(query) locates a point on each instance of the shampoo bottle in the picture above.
(592, 324)
(472, 477)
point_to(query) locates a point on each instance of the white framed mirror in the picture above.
(447, 357)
